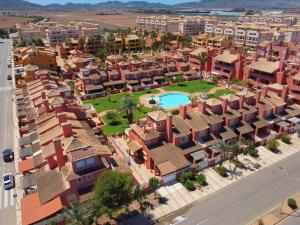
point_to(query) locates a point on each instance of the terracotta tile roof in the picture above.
(50, 184)
(134, 146)
(50, 135)
(245, 93)
(82, 154)
(56, 101)
(213, 102)
(157, 115)
(43, 117)
(26, 165)
(196, 121)
(171, 153)
(180, 127)
(229, 97)
(166, 168)
(227, 57)
(33, 211)
(52, 93)
(264, 66)
(43, 127)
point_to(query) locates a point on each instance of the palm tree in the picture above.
(222, 148)
(139, 195)
(202, 57)
(77, 215)
(194, 98)
(154, 185)
(127, 106)
(111, 42)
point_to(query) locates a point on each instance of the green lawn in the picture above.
(192, 86)
(102, 104)
(220, 93)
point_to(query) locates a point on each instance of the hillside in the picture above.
(248, 4)
(17, 4)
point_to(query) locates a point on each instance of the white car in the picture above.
(178, 220)
(8, 181)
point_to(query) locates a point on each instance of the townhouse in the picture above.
(168, 145)
(60, 156)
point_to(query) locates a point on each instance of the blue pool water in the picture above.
(172, 100)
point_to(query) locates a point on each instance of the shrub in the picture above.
(260, 222)
(237, 163)
(175, 112)
(292, 203)
(152, 101)
(298, 132)
(201, 179)
(253, 152)
(111, 116)
(272, 145)
(189, 185)
(286, 139)
(222, 171)
(185, 176)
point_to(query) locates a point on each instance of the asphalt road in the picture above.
(7, 202)
(248, 199)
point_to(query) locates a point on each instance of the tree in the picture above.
(127, 106)
(78, 215)
(202, 57)
(194, 98)
(112, 192)
(292, 203)
(38, 42)
(111, 42)
(102, 54)
(186, 41)
(235, 148)
(139, 195)
(154, 184)
(222, 148)
(111, 116)
(286, 139)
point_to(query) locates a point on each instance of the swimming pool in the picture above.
(171, 100)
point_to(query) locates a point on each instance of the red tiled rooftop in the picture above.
(33, 211)
(26, 165)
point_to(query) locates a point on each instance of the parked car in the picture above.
(9, 77)
(7, 155)
(8, 181)
(178, 220)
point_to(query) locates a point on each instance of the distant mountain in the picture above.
(17, 4)
(248, 4)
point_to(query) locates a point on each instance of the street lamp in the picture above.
(287, 188)
(15, 197)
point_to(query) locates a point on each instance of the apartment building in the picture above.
(168, 145)
(288, 35)
(27, 35)
(184, 24)
(55, 36)
(133, 43)
(270, 19)
(60, 157)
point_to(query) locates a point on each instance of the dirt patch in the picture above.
(10, 21)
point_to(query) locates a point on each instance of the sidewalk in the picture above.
(177, 196)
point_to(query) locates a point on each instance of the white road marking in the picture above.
(1, 193)
(6, 197)
(12, 200)
(203, 221)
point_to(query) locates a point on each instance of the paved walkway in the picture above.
(177, 196)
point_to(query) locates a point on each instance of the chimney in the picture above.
(62, 117)
(43, 95)
(242, 101)
(169, 128)
(59, 152)
(47, 105)
(67, 129)
(284, 92)
(225, 105)
(182, 111)
(258, 94)
(202, 106)
(58, 109)
(264, 91)
(281, 65)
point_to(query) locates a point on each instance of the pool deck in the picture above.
(144, 99)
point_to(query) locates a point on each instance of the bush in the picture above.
(201, 179)
(185, 176)
(222, 171)
(272, 145)
(111, 116)
(189, 185)
(292, 203)
(298, 132)
(175, 112)
(152, 101)
(286, 139)
(253, 152)
(260, 222)
(237, 163)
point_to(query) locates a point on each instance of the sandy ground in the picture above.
(10, 21)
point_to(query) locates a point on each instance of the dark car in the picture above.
(7, 155)
(9, 77)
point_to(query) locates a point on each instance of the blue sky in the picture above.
(44, 2)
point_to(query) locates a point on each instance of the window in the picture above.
(79, 180)
(90, 161)
(79, 164)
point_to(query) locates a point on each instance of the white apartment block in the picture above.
(55, 35)
(287, 35)
(270, 19)
(184, 24)
(28, 35)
